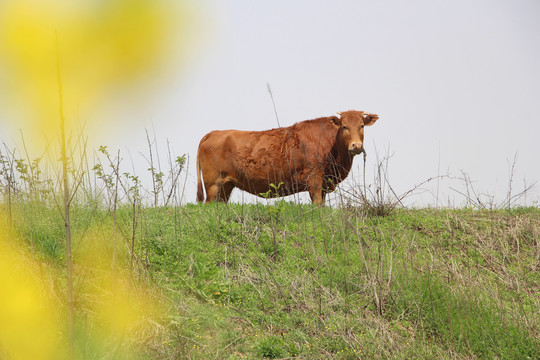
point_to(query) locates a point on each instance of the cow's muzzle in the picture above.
(356, 148)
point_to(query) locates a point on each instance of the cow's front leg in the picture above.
(316, 192)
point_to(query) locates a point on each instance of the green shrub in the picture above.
(270, 347)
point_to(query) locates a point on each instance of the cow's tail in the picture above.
(200, 192)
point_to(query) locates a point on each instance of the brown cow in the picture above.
(313, 155)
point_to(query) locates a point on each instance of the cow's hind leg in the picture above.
(219, 192)
(211, 192)
(225, 191)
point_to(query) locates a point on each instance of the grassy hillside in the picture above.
(296, 281)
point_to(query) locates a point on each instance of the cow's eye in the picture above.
(345, 127)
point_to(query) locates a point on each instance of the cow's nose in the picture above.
(356, 148)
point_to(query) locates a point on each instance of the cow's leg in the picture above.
(212, 192)
(219, 192)
(225, 191)
(316, 197)
(315, 191)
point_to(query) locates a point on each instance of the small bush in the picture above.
(270, 347)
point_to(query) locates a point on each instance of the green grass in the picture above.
(286, 280)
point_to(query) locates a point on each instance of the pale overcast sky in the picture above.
(459, 76)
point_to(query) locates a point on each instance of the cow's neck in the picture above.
(343, 161)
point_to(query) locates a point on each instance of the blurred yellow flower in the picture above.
(106, 48)
(115, 312)
(29, 326)
(114, 301)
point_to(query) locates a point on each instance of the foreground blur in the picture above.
(107, 51)
(114, 312)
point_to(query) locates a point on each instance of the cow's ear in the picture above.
(335, 120)
(370, 119)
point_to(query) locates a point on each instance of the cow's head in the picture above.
(351, 129)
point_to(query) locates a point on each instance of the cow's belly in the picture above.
(261, 180)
